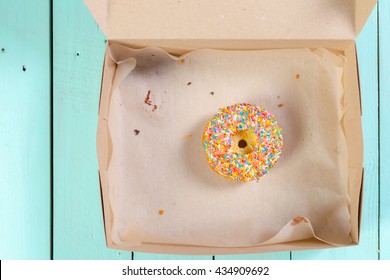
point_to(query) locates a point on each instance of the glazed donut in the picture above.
(242, 142)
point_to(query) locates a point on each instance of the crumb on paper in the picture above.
(147, 99)
(298, 220)
(161, 212)
(187, 136)
(280, 105)
(180, 61)
(212, 92)
(136, 132)
(189, 83)
(297, 76)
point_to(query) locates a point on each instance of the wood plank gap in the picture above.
(379, 131)
(51, 136)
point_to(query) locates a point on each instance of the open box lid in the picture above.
(231, 19)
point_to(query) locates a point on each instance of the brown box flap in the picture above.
(230, 19)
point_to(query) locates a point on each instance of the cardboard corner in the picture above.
(99, 10)
(363, 9)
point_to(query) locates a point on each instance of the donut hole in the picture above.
(244, 142)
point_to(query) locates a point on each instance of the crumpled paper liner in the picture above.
(159, 107)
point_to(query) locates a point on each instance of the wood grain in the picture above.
(25, 129)
(78, 58)
(384, 56)
(368, 66)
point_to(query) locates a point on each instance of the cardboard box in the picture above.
(182, 26)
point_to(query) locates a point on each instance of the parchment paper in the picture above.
(159, 108)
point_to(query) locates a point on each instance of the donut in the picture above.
(242, 142)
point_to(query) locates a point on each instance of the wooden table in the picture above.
(51, 55)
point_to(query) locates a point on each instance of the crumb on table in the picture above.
(161, 212)
(280, 105)
(297, 76)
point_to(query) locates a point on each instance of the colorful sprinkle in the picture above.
(237, 160)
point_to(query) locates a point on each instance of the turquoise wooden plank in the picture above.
(78, 58)
(25, 129)
(262, 256)
(146, 256)
(368, 67)
(384, 56)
